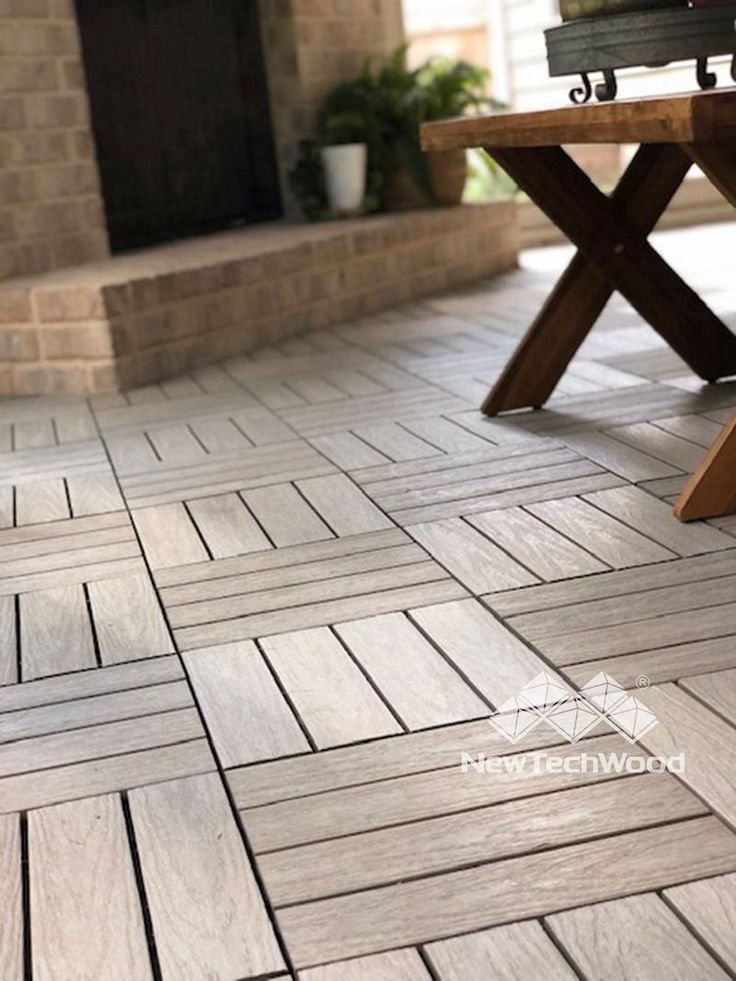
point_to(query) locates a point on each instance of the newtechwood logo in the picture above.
(547, 700)
(573, 714)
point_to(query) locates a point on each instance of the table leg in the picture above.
(612, 238)
(711, 491)
(643, 193)
(718, 162)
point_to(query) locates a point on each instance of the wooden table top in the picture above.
(690, 118)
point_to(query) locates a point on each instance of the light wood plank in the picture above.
(350, 766)
(267, 579)
(8, 641)
(41, 788)
(55, 632)
(607, 940)
(84, 684)
(441, 844)
(94, 493)
(619, 458)
(505, 953)
(535, 545)
(394, 965)
(332, 696)
(86, 915)
(168, 536)
(98, 741)
(176, 444)
(663, 664)
(12, 933)
(7, 506)
(619, 583)
(718, 691)
(477, 898)
(285, 557)
(208, 916)
(347, 451)
(305, 594)
(219, 435)
(368, 805)
(395, 655)
(646, 514)
(664, 631)
(686, 726)
(40, 501)
(128, 619)
(343, 506)
(483, 650)
(285, 515)
(709, 906)
(80, 713)
(395, 442)
(248, 717)
(677, 452)
(226, 526)
(610, 540)
(477, 562)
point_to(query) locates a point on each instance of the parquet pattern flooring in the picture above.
(252, 621)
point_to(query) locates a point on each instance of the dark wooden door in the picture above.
(180, 116)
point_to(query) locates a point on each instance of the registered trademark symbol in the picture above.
(642, 681)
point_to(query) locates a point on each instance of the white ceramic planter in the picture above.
(345, 173)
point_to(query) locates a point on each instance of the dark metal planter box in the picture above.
(651, 38)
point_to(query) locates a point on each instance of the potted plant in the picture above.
(343, 129)
(373, 122)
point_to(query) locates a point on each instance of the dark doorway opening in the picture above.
(180, 115)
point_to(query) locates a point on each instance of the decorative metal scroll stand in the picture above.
(651, 38)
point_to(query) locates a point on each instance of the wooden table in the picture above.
(611, 236)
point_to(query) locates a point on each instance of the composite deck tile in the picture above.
(639, 931)
(254, 618)
(709, 908)
(506, 953)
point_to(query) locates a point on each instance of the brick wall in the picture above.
(312, 45)
(51, 212)
(157, 313)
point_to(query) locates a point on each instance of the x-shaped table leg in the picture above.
(611, 235)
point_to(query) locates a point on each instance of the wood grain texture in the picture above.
(332, 696)
(394, 654)
(168, 536)
(85, 910)
(55, 632)
(686, 726)
(464, 840)
(128, 619)
(710, 491)
(717, 691)
(208, 916)
(477, 898)
(605, 940)
(673, 119)
(247, 715)
(226, 525)
(416, 795)
(394, 965)
(536, 545)
(505, 953)
(285, 515)
(64, 783)
(709, 907)
(11, 903)
(472, 558)
(485, 652)
(343, 506)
